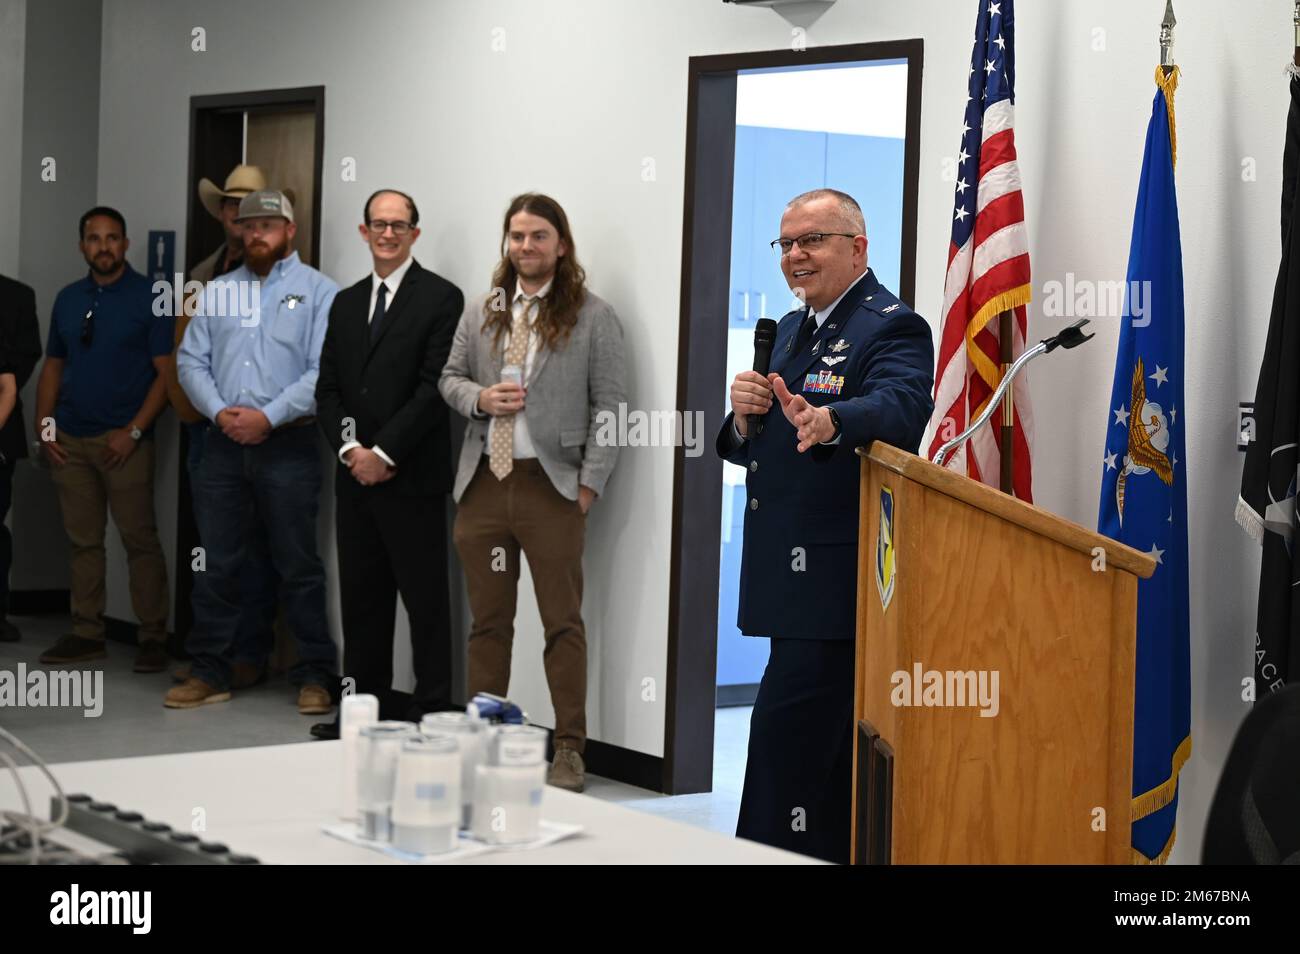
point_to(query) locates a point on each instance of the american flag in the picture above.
(988, 266)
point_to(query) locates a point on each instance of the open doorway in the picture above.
(762, 128)
(282, 132)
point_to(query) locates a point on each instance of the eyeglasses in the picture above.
(809, 242)
(88, 325)
(379, 227)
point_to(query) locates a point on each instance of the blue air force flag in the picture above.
(1144, 483)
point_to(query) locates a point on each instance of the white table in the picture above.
(271, 802)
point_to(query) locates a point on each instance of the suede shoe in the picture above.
(151, 656)
(245, 675)
(73, 649)
(192, 693)
(567, 771)
(313, 700)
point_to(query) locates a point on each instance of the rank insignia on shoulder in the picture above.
(823, 382)
(885, 311)
(839, 346)
(835, 360)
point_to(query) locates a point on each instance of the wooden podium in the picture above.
(966, 586)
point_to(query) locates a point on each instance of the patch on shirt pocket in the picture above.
(289, 322)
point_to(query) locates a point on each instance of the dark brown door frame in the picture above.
(265, 100)
(210, 155)
(701, 360)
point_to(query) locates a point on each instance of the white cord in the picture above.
(36, 827)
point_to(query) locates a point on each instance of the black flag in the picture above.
(1267, 508)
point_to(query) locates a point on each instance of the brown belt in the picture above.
(307, 421)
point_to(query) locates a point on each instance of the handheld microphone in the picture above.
(764, 339)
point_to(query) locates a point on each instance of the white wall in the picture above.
(583, 92)
(59, 122)
(13, 28)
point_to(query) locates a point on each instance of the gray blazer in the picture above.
(566, 390)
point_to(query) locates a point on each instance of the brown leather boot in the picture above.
(313, 700)
(246, 675)
(192, 693)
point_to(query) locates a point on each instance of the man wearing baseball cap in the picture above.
(259, 582)
(253, 374)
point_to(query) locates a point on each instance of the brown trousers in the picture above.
(496, 519)
(88, 489)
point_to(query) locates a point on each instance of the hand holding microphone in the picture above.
(751, 398)
(751, 394)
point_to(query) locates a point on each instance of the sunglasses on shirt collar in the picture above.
(88, 326)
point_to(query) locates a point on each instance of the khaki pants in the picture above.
(526, 512)
(88, 489)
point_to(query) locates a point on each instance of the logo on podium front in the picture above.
(886, 555)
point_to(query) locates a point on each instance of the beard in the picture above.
(533, 267)
(105, 263)
(260, 256)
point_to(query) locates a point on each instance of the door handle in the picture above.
(745, 313)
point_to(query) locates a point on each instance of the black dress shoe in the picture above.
(325, 731)
(9, 633)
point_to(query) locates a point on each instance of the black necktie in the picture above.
(377, 319)
(806, 331)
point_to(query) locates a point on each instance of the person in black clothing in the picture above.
(20, 349)
(378, 406)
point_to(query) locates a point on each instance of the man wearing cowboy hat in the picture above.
(223, 205)
(259, 583)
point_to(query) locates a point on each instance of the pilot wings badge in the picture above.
(1148, 439)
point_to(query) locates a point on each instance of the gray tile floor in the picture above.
(134, 722)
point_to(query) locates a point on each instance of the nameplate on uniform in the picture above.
(823, 382)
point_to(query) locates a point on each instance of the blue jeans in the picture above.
(275, 484)
(259, 584)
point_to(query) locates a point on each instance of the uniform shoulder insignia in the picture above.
(887, 310)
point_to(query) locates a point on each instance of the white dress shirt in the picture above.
(392, 283)
(523, 440)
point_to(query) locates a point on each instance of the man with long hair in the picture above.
(532, 364)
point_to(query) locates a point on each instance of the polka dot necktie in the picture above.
(501, 455)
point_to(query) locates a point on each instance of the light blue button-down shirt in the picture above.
(265, 357)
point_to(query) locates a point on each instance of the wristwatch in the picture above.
(136, 433)
(835, 419)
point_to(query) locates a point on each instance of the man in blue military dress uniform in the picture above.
(854, 366)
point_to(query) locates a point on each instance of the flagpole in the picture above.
(1008, 409)
(1295, 17)
(1167, 37)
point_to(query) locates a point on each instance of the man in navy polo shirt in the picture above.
(100, 389)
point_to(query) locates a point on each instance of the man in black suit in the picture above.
(20, 349)
(379, 407)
